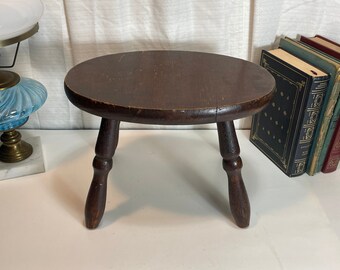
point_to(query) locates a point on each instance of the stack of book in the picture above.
(299, 130)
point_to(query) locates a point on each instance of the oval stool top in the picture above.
(169, 87)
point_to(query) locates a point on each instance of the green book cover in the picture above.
(331, 67)
(329, 135)
(284, 130)
(335, 117)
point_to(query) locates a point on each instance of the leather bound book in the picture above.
(327, 115)
(284, 130)
(329, 135)
(332, 49)
(333, 154)
(323, 44)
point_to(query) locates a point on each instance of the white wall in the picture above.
(72, 31)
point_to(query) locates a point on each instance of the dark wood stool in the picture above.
(170, 88)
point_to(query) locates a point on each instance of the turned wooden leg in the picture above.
(102, 163)
(232, 164)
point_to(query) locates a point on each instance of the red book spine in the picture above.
(333, 154)
(320, 47)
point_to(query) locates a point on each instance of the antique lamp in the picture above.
(19, 97)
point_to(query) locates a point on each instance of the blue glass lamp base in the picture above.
(13, 124)
(16, 104)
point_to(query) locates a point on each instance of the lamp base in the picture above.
(32, 165)
(13, 149)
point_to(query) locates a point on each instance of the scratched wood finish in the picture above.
(168, 87)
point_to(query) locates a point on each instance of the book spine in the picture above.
(333, 155)
(305, 53)
(309, 122)
(283, 131)
(324, 124)
(329, 135)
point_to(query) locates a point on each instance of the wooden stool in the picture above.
(168, 88)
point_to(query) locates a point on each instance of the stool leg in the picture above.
(232, 164)
(102, 163)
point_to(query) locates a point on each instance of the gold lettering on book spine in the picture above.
(309, 126)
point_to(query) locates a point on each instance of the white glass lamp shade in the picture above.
(19, 101)
(18, 16)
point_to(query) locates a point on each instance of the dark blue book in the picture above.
(284, 130)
